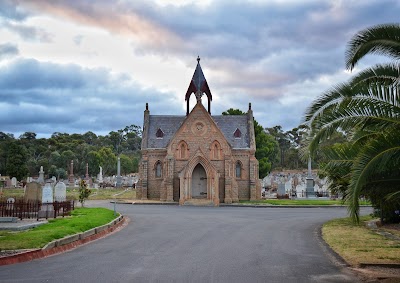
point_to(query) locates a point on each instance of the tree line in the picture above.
(23, 156)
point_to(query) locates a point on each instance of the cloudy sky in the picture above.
(75, 66)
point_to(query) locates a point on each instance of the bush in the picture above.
(84, 192)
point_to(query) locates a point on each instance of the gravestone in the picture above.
(288, 186)
(60, 192)
(13, 182)
(71, 178)
(300, 190)
(130, 181)
(267, 182)
(281, 189)
(47, 201)
(54, 179)
(118, 181)
(41, 176)
(47, 194)
(316, 188)
(100, 176)
(33, 192)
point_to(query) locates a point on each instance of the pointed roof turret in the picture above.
(198, 85)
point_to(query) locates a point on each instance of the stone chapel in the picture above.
(198, 157)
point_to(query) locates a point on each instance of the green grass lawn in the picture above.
(357, 244)
(81, 219)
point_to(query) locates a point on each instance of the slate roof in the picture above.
(170, 125)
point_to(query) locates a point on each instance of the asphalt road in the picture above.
(197, 244)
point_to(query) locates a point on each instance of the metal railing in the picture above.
(35, 209)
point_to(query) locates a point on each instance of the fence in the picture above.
(32, 210)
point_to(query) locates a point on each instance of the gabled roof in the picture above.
(170, 125)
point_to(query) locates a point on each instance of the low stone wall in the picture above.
(66, 243)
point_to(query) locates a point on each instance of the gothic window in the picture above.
(159, 134)
(215, 151)
(158, 169)
(237, 134)
(238, 170)
(182, 150)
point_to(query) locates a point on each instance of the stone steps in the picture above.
(199, 202)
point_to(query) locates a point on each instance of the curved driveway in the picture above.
(197, 244)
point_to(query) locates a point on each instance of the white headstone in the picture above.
(60, 192)
(288, 186)
(47, 194)
(13, 182)
(54, 179)
(300, 190)
(267, 182)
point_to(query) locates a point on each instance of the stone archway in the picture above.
(202, 177)
(199, 182)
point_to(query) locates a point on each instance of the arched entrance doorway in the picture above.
(199, 182)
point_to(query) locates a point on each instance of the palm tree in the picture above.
(367, 107)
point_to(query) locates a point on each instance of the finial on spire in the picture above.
(147, 106)
(198, 59)
(249, 105)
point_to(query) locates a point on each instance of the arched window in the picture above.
(159, 134)
(158, 169)
(183, 151)
(237, 134)
(238, 170)
(216, 151)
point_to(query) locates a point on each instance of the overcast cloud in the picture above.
(78, 66)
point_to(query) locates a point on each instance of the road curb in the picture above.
(67, 243)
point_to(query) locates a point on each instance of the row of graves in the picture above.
(292, 184)
(129, 181)
(48, 201)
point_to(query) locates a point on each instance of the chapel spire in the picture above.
(198, 85)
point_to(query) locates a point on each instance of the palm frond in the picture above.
(381, 39)
(373, 157)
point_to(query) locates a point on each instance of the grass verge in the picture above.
(81, 219)
(357, 244)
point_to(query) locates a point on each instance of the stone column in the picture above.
(119, 177)
(310, 182)
(71, 178)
